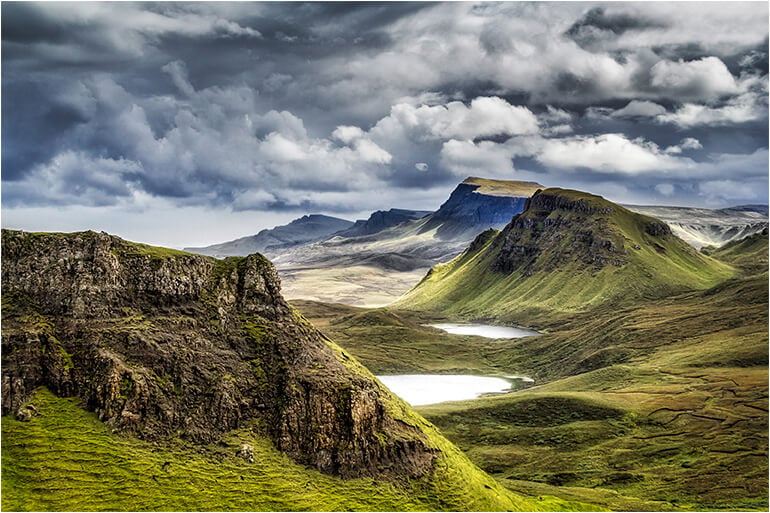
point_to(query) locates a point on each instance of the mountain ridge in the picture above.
(305, 229)
(567, 251)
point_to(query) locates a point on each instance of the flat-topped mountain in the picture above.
(378, 268)
(568, 251)
(475, 205)
(309, 228)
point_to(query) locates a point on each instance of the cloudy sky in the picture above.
(194, 123)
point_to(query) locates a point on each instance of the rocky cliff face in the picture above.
(556, 230)
(163, 344)
(466, 210)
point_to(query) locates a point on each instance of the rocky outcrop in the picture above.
(163, 344)
(557, 229)
(467, 211)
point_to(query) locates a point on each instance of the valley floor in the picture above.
(659, 406)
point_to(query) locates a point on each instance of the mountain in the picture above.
(197, 371)
(380, 267)
(701, 227)
(381, 220)
(309, 228)
(477, 204)
(568, 251)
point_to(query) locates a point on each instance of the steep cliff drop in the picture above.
(163, 345)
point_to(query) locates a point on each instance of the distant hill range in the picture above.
(380, 220)
(475, 205)
(269, 242)
(701, 227)
(380, 258)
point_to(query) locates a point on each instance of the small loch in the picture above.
(422, 389)
(484, 330)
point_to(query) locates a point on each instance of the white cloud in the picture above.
(691, 143)
(555, 115)
(347, 134)
(485, 158)
(706, 78)
(608, 153)
(740, 109)
(637, 108)
(730, 190)
(557, 130)
(75, 177)
(485, 116)
(421, 166)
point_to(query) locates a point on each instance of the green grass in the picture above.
(560, 283)
(643, 439)
(658, 405)
(396, 341)
(749, 254)
(65, 459)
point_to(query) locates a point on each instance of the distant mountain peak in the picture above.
(492, 187)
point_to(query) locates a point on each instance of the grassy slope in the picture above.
(681, 385)
(674, 414)
(65, 459)
(693, 393)
(749, 254)
(398, 341)
(660, 266)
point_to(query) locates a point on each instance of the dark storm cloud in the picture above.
(237, 105)
(597, 25)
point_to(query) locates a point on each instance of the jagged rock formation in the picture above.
(306, 229)
(165, 344)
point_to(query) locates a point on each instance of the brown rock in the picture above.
(163, 344)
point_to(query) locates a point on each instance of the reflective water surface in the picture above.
(484, 330)
(420, 389)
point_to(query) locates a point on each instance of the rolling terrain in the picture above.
(137, 377)
(701, 227)
(652, 400)
(306, 229)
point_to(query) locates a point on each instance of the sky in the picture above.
(187, 124)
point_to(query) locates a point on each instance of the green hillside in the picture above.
(749, 254)
(179, 382)
(567, 252)
(65, 459)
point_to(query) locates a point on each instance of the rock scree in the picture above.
(163, 344)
